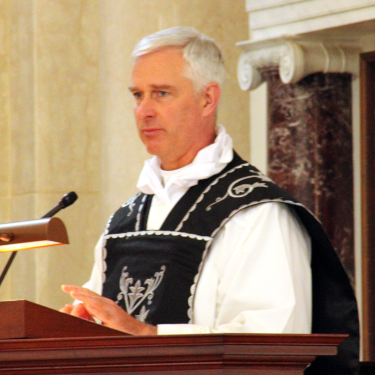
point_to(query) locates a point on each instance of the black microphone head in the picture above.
(68, 199)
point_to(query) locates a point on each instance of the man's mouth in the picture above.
(150, 131)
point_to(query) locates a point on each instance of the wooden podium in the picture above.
(38, 340)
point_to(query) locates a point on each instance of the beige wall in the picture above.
(4, 111)
(66, 119)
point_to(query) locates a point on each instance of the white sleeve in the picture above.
(96, 280)
(256, 278)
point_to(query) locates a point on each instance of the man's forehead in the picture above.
(161, 69)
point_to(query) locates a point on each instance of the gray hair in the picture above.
(203, 57)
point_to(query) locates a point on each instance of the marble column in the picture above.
(309, 127)
(310, 151)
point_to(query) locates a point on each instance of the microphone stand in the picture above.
(66, 201)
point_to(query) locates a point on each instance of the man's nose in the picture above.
(146, 108)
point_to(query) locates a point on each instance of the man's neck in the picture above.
(177, 161)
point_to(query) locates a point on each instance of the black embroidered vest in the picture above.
(153, 274)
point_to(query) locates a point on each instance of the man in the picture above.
(210, 244)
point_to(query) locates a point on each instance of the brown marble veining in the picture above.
(310, 151)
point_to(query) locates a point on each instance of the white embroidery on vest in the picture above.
(138, 223)
(131, 203)
(243, 189)
(208, 188)
(135, 295)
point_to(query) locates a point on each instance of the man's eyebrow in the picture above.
(162, 87)
(157, 87)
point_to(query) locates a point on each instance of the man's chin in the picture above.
(153, 149)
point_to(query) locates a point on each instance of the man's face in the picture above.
(171, 117)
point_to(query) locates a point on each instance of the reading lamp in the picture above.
(47, 231)
(32, 234)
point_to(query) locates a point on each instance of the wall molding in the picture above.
(276, 18)
(295, 59)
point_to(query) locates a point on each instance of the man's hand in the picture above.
(77, 310)
(106, 310)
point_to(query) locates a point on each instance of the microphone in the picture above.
(66, 201)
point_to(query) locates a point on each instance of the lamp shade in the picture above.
(32, 234)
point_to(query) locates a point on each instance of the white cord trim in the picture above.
(158, 233)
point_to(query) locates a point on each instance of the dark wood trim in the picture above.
(368, 201)
(39, 340)
(232, 354)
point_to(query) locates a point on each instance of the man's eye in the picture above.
(137, 95)
(162, 93)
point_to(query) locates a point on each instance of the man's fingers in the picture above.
(67, 309)
(79, 309)
(81, 312)
(96, 305)
(92, 304)
(89, 298)
(106, 310)
(78, 293)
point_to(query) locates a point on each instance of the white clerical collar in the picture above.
(209, 161)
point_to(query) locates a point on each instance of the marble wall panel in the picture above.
(67, 138)
(54, 129)
(18, 121)
(67, 106)
(310, 151)
(4, 110)
(22, 124)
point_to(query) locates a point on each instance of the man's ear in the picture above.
(211, 97)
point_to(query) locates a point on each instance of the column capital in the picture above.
(295, 59)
